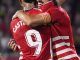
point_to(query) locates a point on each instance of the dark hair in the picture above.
(35, 2)
(30, 1)
(55, 2)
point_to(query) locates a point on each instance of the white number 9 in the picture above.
(37, 44)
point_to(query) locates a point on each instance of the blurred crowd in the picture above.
(9, 7)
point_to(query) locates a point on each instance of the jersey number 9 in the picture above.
(37, 44)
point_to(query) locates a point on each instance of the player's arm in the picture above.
(34, 20)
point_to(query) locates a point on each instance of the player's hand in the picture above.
(12, 44)
(17, 14)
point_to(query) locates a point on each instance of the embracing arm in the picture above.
(34, 20)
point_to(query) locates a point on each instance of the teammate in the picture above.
(59, 21)
(34, 42)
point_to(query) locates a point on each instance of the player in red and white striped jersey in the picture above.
(62, 36)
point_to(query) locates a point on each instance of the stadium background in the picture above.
(9, 7)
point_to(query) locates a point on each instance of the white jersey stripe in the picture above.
(64, 51)
(68, 57)
(21, 56)
(51, 52)
(60, 37)
(61, 44)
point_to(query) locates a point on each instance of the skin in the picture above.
(33, 20)
(60, 1)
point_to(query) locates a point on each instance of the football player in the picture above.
(61, 30)
(34, 42)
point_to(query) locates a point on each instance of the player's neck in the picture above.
(46, 2)
(25, 9)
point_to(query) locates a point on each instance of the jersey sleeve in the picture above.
(59, 15)
(54, 14)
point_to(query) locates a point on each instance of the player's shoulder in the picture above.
(62, 10)
(15, 19)
(58, 9)
(37, 10)
(34, 11)
(53, 8)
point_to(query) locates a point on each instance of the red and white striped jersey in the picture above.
(62, 37)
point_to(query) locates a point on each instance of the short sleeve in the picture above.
(58, 15)
(54, 14)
